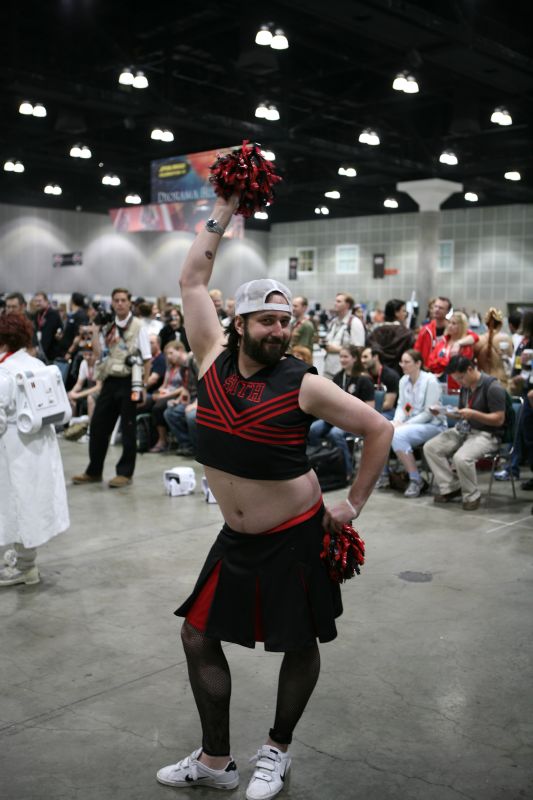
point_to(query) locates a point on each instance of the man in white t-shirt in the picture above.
(345, 329)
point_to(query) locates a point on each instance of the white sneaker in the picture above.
(414, 489)
(271, 769)
(191, 772)
(10, 576)
(383, 481)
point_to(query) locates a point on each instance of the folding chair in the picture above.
(505, 451)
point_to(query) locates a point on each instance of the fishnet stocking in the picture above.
(297, 679)
(211, 685)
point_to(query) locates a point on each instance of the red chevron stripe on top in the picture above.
(234, 420)
(214, 382)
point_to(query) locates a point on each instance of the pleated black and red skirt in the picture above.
(270, 587)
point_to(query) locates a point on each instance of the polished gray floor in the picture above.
(426, 693)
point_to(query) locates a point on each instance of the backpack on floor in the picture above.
(327, 460)
(146, 436)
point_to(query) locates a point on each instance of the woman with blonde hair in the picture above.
(452, 344)
(494, 350)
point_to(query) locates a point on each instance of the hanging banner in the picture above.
(170, 217)
(184, 179)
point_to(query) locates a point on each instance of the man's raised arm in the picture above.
(201, 321)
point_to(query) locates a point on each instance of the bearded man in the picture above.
(263, 579)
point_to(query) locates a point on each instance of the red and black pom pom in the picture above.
(248, 173)
(343, 553)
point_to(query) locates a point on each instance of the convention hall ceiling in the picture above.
(207, 75)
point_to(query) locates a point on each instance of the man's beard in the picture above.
(268, 351)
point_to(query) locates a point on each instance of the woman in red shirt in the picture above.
(458, 340)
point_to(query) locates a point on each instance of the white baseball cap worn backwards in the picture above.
(252, 296)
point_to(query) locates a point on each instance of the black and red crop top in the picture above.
(253, 427)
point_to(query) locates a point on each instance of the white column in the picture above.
(429, 194)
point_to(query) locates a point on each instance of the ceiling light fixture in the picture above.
(126, 77)
(471, 197)
(37, 110)
(390, 202)
(52, 188)
(411, 85)
(448, 157)
(348, 172)
(140, 80)
(501, 116)
(80, 151)
(404, 82)
(264, 35)
(513, 176)
(269, 155)
(162, 135)
(368, 136)
(279, 41)
(111, 180)
(272, 113)
(322, 210)
(133, 199)
(260, 215)
(261, 111)
(13, 166)
(333, 195)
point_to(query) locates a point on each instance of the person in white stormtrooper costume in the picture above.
(33, 498)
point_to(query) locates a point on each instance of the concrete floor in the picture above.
(426, 693)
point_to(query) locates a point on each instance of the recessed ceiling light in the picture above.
(140, 81)
(368, 136)
(126, 77)
(348, 172)
(501, 116)
(263, 35)
(449, 158)
(513, 176)
(279, 41)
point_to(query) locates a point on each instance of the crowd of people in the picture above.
(412, 370)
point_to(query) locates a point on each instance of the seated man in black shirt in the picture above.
(478, 432)
(385, 379)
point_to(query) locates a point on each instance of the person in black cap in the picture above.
(263, 579)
